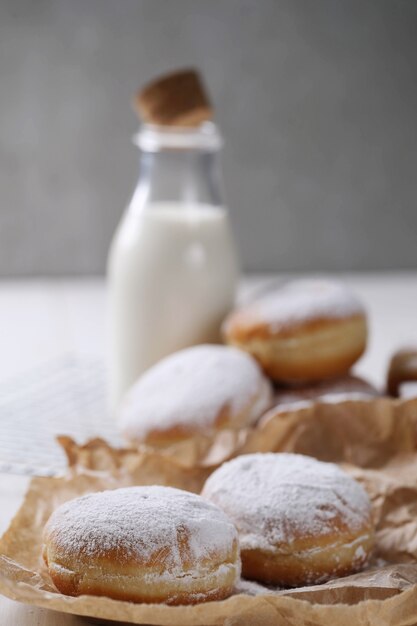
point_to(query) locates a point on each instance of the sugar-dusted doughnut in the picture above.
(300, 521)
(408, 390)
(306, 330)
(142, 544)
(198, 390)
(334, 390)
(402, 373)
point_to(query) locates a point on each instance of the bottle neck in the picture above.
(184, 177)
(179, 166)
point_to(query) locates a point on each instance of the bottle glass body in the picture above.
(172, 269)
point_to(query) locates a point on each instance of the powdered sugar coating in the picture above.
(408, 389)
(276, 498)
(139, 523)
(329, 391)
(190, 389)
(302, 300)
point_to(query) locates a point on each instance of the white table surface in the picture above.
(42, 320)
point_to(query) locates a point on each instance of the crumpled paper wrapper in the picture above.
(378, 435)
(364, 432)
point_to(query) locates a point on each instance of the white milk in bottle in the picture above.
(172, 268)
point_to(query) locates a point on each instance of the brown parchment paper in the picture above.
(378, 436)
(364, 432)
(347, 424)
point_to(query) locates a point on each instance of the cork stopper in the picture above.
(176, 99)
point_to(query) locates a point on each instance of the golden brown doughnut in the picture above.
(142, 544)
(333, 390)
(402, 370)
(300, 521)
(306, 330)
(198, 390)
(408, 390)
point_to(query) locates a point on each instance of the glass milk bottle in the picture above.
(172, 267)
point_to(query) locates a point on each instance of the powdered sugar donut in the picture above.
(402, 373)
(306, 330)
(333, 390)
(198, 390)
(142, 544)
(300, 521)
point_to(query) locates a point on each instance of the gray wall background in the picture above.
(317, 100)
